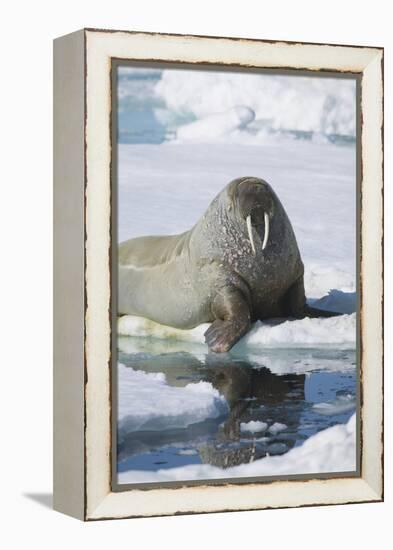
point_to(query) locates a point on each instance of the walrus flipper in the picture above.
(232, 320)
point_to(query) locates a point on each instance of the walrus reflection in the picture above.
(251, 393)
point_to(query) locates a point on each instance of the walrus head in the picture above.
(252, 200)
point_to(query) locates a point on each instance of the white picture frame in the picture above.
(83, 334)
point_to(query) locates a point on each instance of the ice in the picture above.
(254, 426)
(216, 125)
(287, 333)
(174, 99)
(337, 300)
(312, 332)
(188, 452)
(277, 427)
(331, 450)
(320, 105)
(343, 404)
(147, 402)
(279, 360)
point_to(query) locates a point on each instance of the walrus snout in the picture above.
(266, 229)
(255, 204)
(254, 198)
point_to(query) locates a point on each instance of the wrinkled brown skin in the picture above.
(210, 274)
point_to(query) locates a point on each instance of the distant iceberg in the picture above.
(216, 125)
(324, 106)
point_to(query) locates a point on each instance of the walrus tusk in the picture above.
(249, 229)
(266, 235)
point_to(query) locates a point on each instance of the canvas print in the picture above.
(236, 275)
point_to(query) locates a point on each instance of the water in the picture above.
(143, 116)
(317, 391)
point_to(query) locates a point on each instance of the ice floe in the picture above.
(147, 402)
(331, 450)
(283, 333)
(253, 426)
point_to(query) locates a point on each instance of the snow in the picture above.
(147, 402)
(331, 450)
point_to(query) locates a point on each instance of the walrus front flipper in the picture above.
(233, 319)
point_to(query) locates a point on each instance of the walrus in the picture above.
(238, 264)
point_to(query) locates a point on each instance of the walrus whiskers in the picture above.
(266, 235)
(249, 229)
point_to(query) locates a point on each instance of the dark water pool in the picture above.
(295, 393)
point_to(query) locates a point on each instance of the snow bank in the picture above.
(297, 103)
(291, 333)
(147, 402)
(336, 286)
(303, 332)
(331, 450)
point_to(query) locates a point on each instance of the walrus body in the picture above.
(238, 264)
